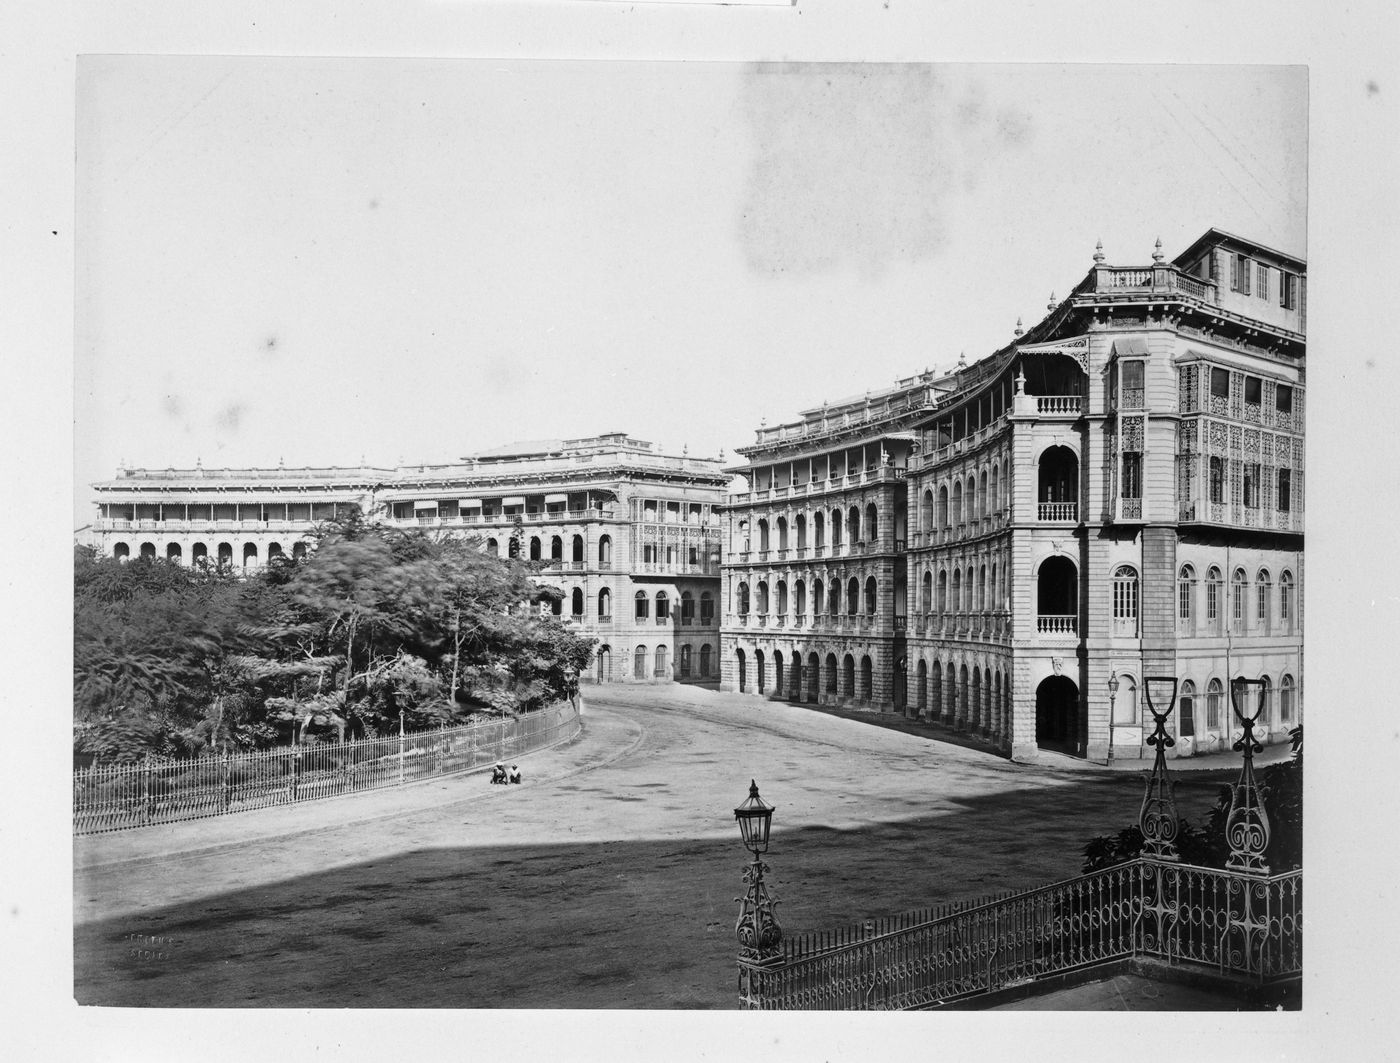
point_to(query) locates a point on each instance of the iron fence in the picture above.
(118, 797)
(1236, 922)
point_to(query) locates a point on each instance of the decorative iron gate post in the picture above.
(1157, 901)
(760, 936)
(1247, 828)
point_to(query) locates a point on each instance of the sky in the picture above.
(323, 261)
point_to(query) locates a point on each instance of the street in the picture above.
(607, 880)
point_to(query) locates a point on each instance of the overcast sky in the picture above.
(315, 260)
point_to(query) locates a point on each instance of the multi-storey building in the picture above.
(630, 535)
(1015, 546)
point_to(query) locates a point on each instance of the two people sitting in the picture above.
(500, 775)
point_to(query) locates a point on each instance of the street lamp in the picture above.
(1112, 700)
(757, 928)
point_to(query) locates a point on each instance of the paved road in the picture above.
(607, 880)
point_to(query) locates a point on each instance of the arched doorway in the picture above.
(778, 672)
(604, 663)
(813, 676)
(743, 677)
(795, 678)
(758, 664)
(1057, 714)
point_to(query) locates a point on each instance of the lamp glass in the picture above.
(755, 817)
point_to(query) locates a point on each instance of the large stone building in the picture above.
(1014, 546)
(629, 534)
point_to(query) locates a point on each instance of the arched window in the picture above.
(639, 662)
(556, 548)
(1125, 601)
(643, 606)
(493, 548)
(871, 597)
(853, 526)
(1263, 587)
(852, 596)
(1214, 606)
(577, 601)
(835, 530)
(800, 529)
(604, 551)
(818, 530)
(605, 604)
(778, 672)
(1237, 588)
(872, 522)
(848, 678)
(957, 502)
(556, 606)
(984, 501)
(1285, 599)
(982, 589)
(835, 597)
(994, 499)
(1057, 596)
(744, 543)
(687, 607)
(705, 661)
(578, 549)
(763, 535)
(799, 598)
(926, 594)
(743, 599)
(943, 590)
(762, 597)
(957, 590)
(604, 663)
(867, 680)
(944, 516)
(761, 670)
(926, 512)
(1186, 599)
(536, 548)
(1266, 704)
(707, 608)
(782, 597)
(818, 598)
(831, 673)
(972, 498)
(1186, 710)
(782, 533)
(1125, 707)
(1213, 695)
(663, 607)
(662, 671)
(1285, 700)
(921, 687)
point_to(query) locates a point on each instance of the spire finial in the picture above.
(1098, 253)
(1157, 255)
(1051, 304)
(1018, 331)
(962, 359)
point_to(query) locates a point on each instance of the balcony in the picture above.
(1066, 512)
(1057, 625)
(901, 623)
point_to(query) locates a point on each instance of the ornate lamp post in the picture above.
(1158, 820)
(757, 928)
(1112, 700)
(1247, 827)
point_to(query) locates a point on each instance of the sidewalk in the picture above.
(1223, 760)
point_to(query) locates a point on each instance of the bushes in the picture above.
(1282, 788)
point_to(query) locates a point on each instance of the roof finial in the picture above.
(1018, 330)
(198, 462)
(1051, 304)
(1157, 255)
(280, 463)
(962, 360)
(685, 450)
(1098, 253)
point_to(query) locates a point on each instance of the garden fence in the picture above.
(1239, 924)
(122, 796)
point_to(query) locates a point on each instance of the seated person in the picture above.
(514, 773)
(498, 773)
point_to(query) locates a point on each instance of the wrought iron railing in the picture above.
(121, 796)
(1234, 922)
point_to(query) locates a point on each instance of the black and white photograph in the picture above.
(556, 537)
